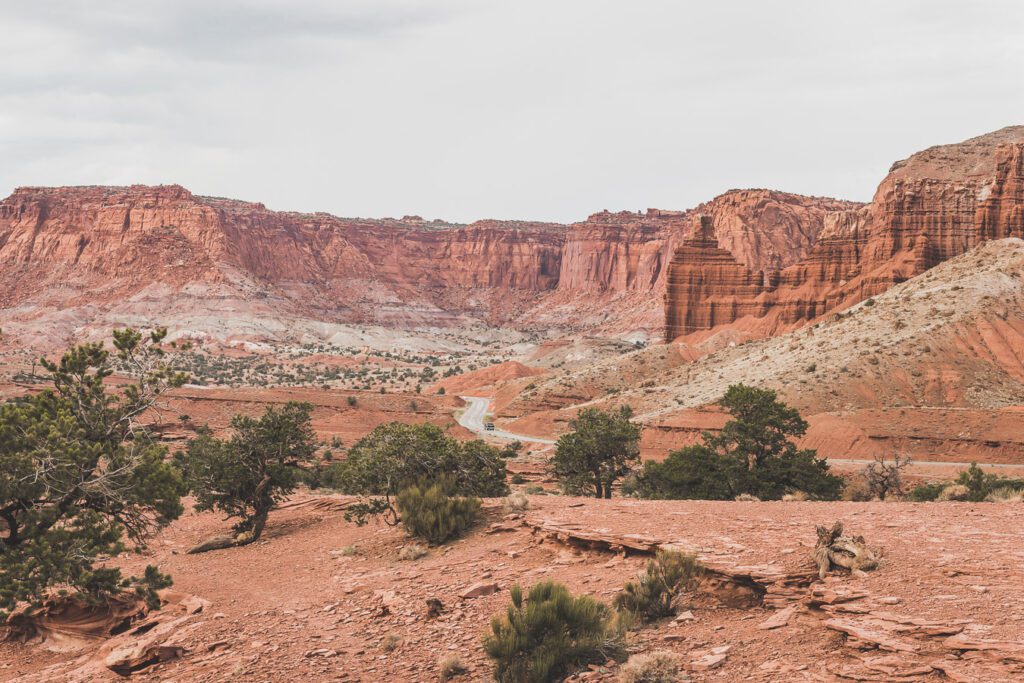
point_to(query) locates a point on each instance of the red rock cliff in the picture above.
(138, 251)
(937, 204)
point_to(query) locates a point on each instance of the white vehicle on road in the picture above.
(473, 420)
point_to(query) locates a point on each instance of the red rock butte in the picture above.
(935, 205)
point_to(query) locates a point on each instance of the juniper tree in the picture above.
(247, 475)
(80, 474)
(396, 456)
(755, 453)
(600, 449)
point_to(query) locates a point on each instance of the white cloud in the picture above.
(465, 109)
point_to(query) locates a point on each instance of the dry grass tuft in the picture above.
(660, 666)
(517, 502)
(412, 551)
(1006, 494)
(954, 492)
(449, 667)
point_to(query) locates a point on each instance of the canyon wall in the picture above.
(763, 262)
(139, 252)
(935, 205)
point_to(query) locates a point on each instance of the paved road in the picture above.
(473, 420)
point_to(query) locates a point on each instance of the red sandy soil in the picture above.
(332, 414)
(485, 379)
(277, 603)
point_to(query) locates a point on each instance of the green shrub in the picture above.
(980, 483)
(925, 493)
(431, 513)
(653, 594)
(971, 485)
(518, 479)
(550, 634)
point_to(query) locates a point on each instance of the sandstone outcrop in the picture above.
(934, 206)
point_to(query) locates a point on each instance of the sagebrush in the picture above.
(653, 595)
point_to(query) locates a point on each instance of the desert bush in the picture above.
(412, 551)
(449, 667)
(653, 595)
(518, 479)
(954, 492)
(856, 489)
(534, 489)
(430, 512)
(980, 483)
(551, 633)
(973, 485)
(517, 502)
(352, 401)
(349, 551)
(795, 497)
(660, 666)
(327, 475)
(753, 454)
(396, 456)
(600, 449)
(747, 498)
(924, 493)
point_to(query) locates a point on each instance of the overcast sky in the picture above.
(464, 109)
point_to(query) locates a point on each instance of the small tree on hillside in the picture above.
(247, 475)
(753, 454)
(884, 478)
(599, 450)
(79, 472)
(396, 456)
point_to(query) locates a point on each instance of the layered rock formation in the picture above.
(765, 261)
(702, 272)
(141, 254)
(935, 205)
